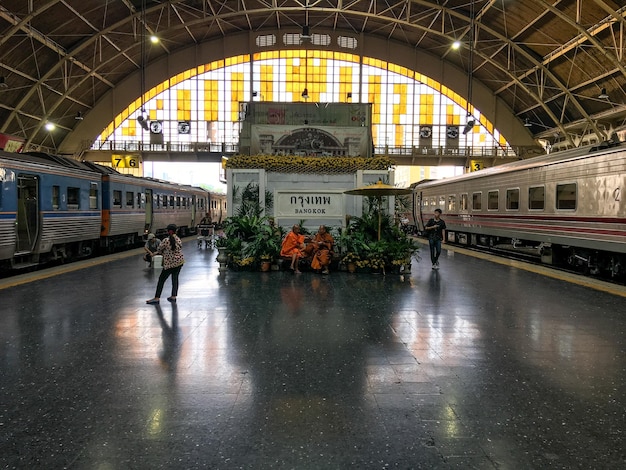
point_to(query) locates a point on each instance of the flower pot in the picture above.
(266, 266)
(351, 267)
(222, 258)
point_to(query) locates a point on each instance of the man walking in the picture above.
(435, 228)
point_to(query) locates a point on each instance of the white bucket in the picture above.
(157, 262)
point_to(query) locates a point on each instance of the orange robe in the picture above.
(321, 250)
(292, 244)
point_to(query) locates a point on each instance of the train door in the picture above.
(419, 220)
(194, 203)
(27, 213)
(149, 211)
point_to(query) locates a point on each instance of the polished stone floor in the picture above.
(477, 365)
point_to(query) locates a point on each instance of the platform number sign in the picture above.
(125, 161)
(476, 165)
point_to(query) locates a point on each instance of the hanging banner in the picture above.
(10, 143)
(452, 136)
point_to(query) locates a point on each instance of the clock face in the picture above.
(156, 127)
(184, 127)
(425, 132)
(452, 132)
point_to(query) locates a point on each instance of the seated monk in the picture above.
(293, 247)
(321, 249)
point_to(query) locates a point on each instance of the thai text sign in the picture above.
(305, 204)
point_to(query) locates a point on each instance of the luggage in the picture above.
(157, 262)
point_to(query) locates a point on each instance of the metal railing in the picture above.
(167, 147)
(233, 149)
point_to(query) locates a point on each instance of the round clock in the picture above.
(156, 127)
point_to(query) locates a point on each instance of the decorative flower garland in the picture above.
(297, 164)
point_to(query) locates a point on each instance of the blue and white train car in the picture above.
(49, 209)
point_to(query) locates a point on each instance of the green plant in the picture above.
(265, 244)
(234, 246)
(248, 203)
(244, 227)
(221, 242)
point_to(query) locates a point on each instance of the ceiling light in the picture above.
(469, 126)
(456, 45)
(49, 126)
(305, 37)
(603, 95)
(79, 116)
(527, 123)
(143, 122)
(154, 39)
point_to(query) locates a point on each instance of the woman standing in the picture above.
(172, 250)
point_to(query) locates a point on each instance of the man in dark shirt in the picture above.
(435, 228)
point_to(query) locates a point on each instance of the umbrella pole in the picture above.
(380, 202)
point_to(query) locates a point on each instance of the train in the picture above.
(564, 209)
(54, 208)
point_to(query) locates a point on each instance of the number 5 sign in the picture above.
(125, 161)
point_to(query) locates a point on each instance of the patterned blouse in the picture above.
(171, 258)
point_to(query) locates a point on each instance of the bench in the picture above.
(304, 264)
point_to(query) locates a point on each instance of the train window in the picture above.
(178, 201)
(512, 199)
(130, 199)
(140, 200)
(492, 200)
(56, 194)
(171, 201)
(451, 203)
(566, 196)
(117, 198)
(536, 198)
(184, 202)
(442, 201)
(477, 201)
(463, 203)
(164, 201)
(73, 198)
(93, 196)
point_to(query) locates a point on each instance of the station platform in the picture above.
(480, 364)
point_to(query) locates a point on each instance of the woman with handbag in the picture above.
(172, 250)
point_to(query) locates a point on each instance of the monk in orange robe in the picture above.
(293, 247)
(321, 248)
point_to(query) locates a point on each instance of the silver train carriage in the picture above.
(217, 207)
(132, 207)
(565, 208)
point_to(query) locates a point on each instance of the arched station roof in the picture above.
(556, 65)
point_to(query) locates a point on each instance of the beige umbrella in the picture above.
(378, 190)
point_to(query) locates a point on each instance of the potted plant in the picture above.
(266, 262)
(350, 261)
(222, 252)
(263, 246)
